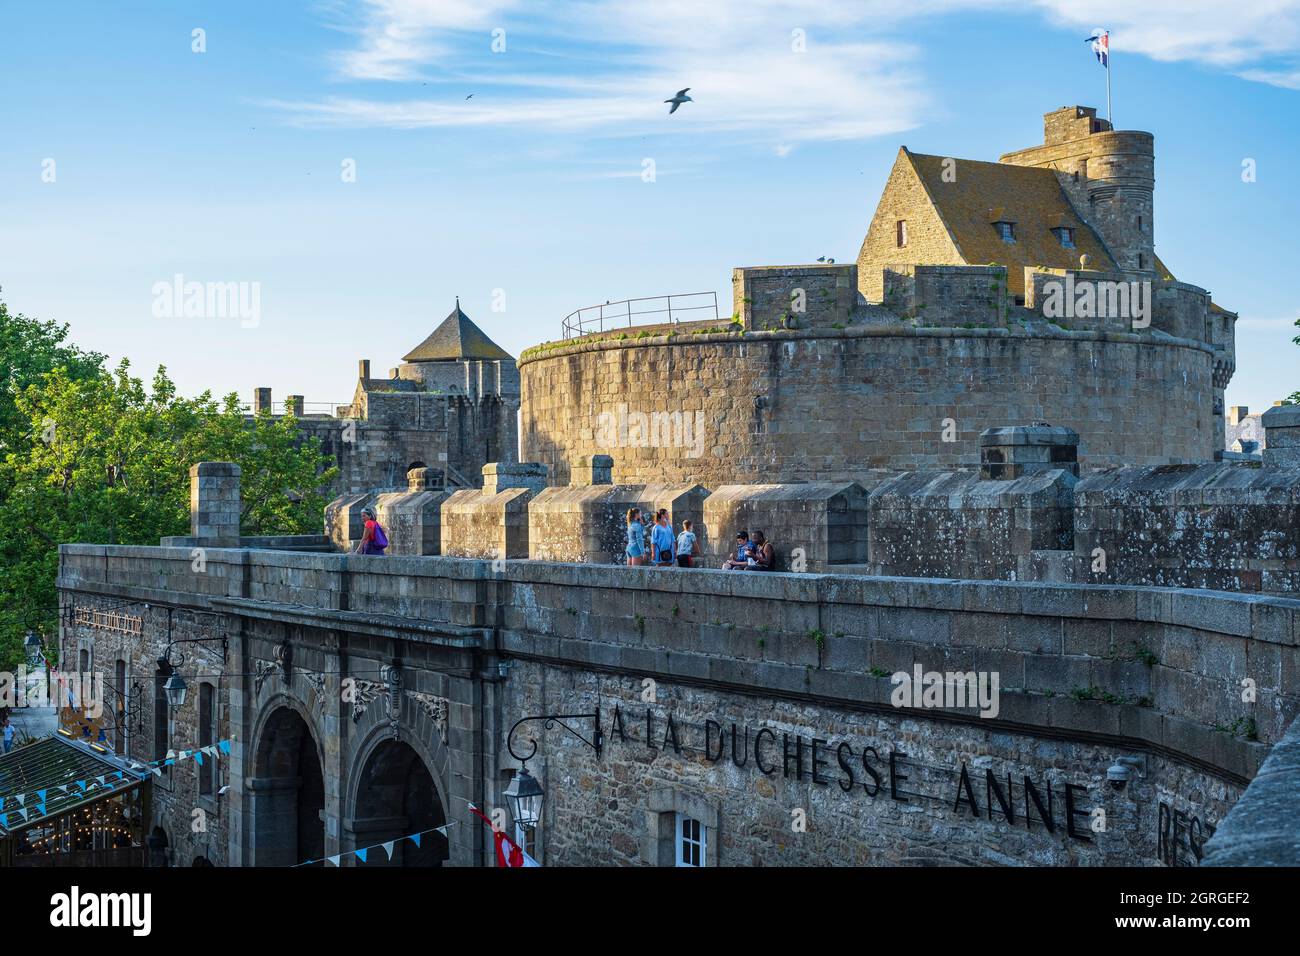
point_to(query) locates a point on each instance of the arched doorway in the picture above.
(288, 793)
(396, 798)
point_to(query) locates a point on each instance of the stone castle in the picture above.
(959, 477)
(452, 405)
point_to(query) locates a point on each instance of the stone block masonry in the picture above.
(800, 665)
(493, 523)
(812, 526)
(1282, 436)
(589, 524)
(412, 519)
(828, 404)
(1225, 527)
(959, 525)
(794, 297)
(215, 504)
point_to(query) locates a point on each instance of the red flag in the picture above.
(509, 853)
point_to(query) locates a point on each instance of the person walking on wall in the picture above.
(374, 540)
(635, 537)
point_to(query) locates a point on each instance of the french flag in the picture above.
(1100, 41)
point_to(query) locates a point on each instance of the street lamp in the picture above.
(34, 648)
(174, 687)
(525, 794)
(525, 798)
(175, 690)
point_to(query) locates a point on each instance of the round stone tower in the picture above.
(1109, 176)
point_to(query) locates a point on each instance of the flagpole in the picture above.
(1110, 118)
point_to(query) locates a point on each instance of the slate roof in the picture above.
(456, 338)
(982, 193)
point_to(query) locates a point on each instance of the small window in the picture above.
(1139, 223)
(691, 837)
(1006, 230)
(1142, 261)
(900, 233)
(1065, 236)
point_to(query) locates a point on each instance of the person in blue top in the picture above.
(661, 539)
(744, 553)
(688, 546)
(635, 537)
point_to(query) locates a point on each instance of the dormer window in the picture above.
(1006, 230)
(1065, 236)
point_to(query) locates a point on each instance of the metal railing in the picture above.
(308, 408)
(626, 313)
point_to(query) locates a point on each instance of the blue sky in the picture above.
(226, 165)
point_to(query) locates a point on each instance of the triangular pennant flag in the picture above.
(198, 756)
(81, 785)
(23, 811)
(361, 854)
(120, 775)
(443, 829)
(416, 838)
(40, 808)
(21, 798)
(388, 848)
(225, 746)
(210, 750)
(334, 860)
(40, 795)
(63, 788)
(157, 771)
(4, 819)
(100, 780)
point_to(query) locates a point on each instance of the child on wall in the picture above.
(688, 546)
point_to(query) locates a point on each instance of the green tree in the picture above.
(106, 460)
(28, 350)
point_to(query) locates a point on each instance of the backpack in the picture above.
(380, 539)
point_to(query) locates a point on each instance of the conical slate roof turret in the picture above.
(455, 339)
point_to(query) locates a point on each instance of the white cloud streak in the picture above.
(740, 58)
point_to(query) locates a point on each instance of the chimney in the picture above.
(215, 504)
(1017, 450)
(363, 368)
(425, 479)
(261, 399)
(293, 406)
(588, 470)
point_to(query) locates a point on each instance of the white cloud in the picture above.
(610, 63)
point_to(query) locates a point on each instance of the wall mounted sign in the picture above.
(862, 770)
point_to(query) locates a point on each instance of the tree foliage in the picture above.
(95, 456)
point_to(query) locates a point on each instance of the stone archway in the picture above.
(287, 793)
(395, 797)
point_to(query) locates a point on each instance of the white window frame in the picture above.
(682, 844)
(900, 234)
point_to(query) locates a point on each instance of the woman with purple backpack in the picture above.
(374, 541)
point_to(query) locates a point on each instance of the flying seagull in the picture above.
(678, 100)
(468, 97)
